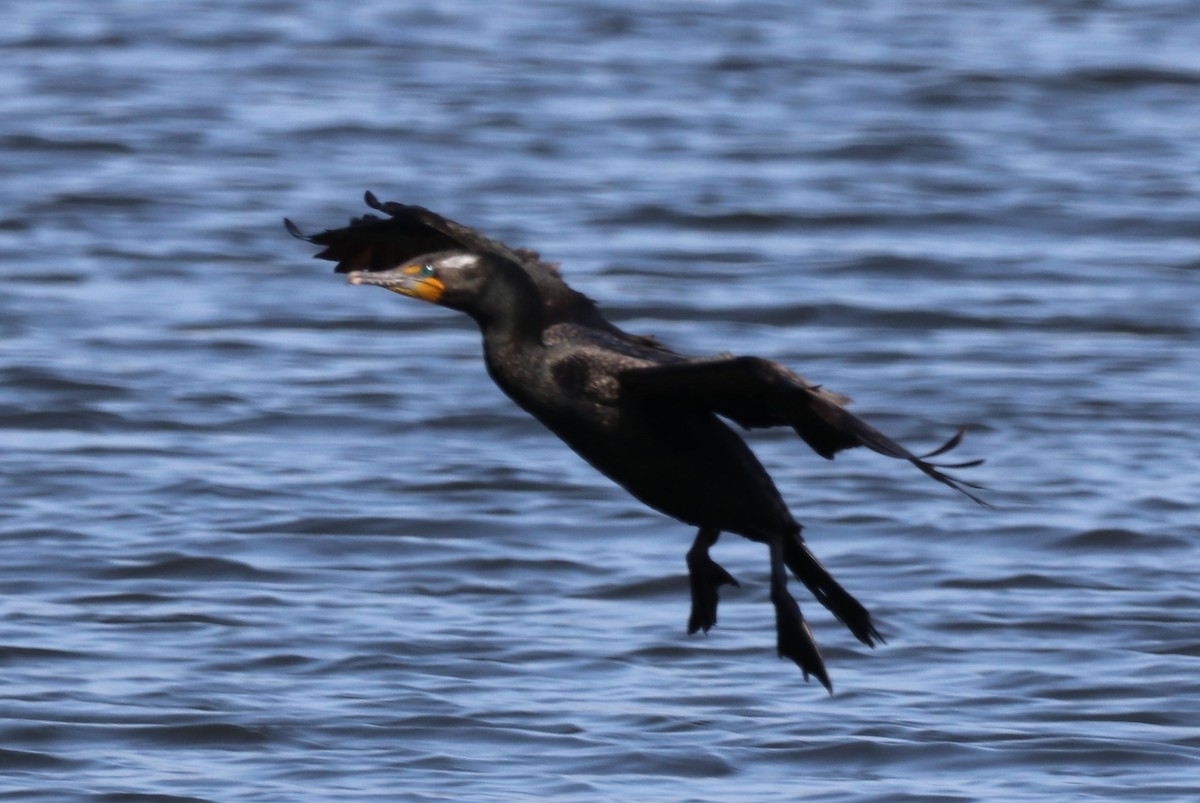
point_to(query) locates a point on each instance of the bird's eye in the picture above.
(418, 271)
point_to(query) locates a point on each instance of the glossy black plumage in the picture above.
(652, 420)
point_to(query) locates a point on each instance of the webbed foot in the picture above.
(705, 576)
(793, 638)
(795, 641)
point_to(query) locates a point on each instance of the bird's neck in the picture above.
(511, 312)
(513, 349)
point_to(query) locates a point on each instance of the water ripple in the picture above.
(269, 537)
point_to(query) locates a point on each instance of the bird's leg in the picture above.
(794, 639)
(705, 576)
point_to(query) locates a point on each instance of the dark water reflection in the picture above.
(268, 538)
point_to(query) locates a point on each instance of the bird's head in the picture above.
(487, 287)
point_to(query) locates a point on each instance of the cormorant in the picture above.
(645, 416)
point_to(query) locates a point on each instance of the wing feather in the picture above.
(755, 392)
(371, 242)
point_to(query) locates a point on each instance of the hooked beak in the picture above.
(406, 281)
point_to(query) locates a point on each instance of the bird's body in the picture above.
(688, 464)
(645, 416)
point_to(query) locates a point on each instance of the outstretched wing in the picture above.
(755, 392)
(371, 242)
(409, 232)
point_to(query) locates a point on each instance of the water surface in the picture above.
(266, 537)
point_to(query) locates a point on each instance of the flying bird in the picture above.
(651, 419)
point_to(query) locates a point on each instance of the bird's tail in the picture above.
(829, 592)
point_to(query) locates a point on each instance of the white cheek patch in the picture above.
(459, 261)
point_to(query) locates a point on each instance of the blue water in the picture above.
(266, 537)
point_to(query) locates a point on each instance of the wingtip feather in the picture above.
(954, 441)
(294, 230)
